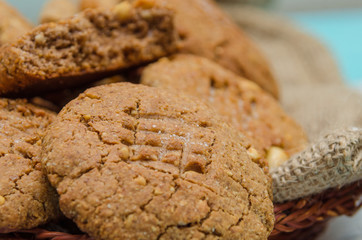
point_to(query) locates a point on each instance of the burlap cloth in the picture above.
(313, 93)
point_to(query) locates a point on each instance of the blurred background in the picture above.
(337, 24)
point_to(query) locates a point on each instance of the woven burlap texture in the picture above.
(334, 161)
(314, 94)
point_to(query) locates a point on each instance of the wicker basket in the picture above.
(306, 218)
(299, 219)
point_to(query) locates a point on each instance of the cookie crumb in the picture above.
(276, 156)
(2, 200)
(140, 180)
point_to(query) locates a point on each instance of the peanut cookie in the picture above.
(209, 32)
(135, 162)
(12, 24)
(86, 47)
(26, 198)
(55, 101)
(241, 102)
(55, 10)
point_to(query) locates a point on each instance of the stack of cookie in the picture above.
(182, 152)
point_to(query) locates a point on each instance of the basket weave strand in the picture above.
(315, 211)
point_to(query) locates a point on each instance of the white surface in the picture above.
(344, 228)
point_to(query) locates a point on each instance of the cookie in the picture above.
(91, 45)
(55, 10)
(241, 102)
(135, 162)
(26, 197)
(60, 98)
(207, 31)
(44, 103)
(12, 24)
(103, 4)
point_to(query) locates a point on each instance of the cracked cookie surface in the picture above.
(26, 197)
(241, 102)
(136, 162)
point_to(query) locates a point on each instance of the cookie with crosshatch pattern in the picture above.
(136, 162)
(239, 101)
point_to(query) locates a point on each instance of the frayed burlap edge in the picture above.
(334, 161)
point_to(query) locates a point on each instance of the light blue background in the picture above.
(30, 8)
(341, 31)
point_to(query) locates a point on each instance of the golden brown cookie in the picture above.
(55, 10)
(103, 4)
(88, 46)
(241, 102)
(135, 162)
(26, 197)
(12, 24)
(209, 32)
(59, 99)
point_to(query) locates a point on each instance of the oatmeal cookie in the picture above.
(26, 197)
(207, 31)
(86, 47)
(12, 24)
(241, 102)
(136, 162)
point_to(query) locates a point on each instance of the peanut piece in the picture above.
(157, 191)
(276, 156)
(140, 180)
(92, 96)
(2, 200)
(86, 117)
(253, 153)
(40, 39)
(124, 153)
(145, 4)
(123, 10)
